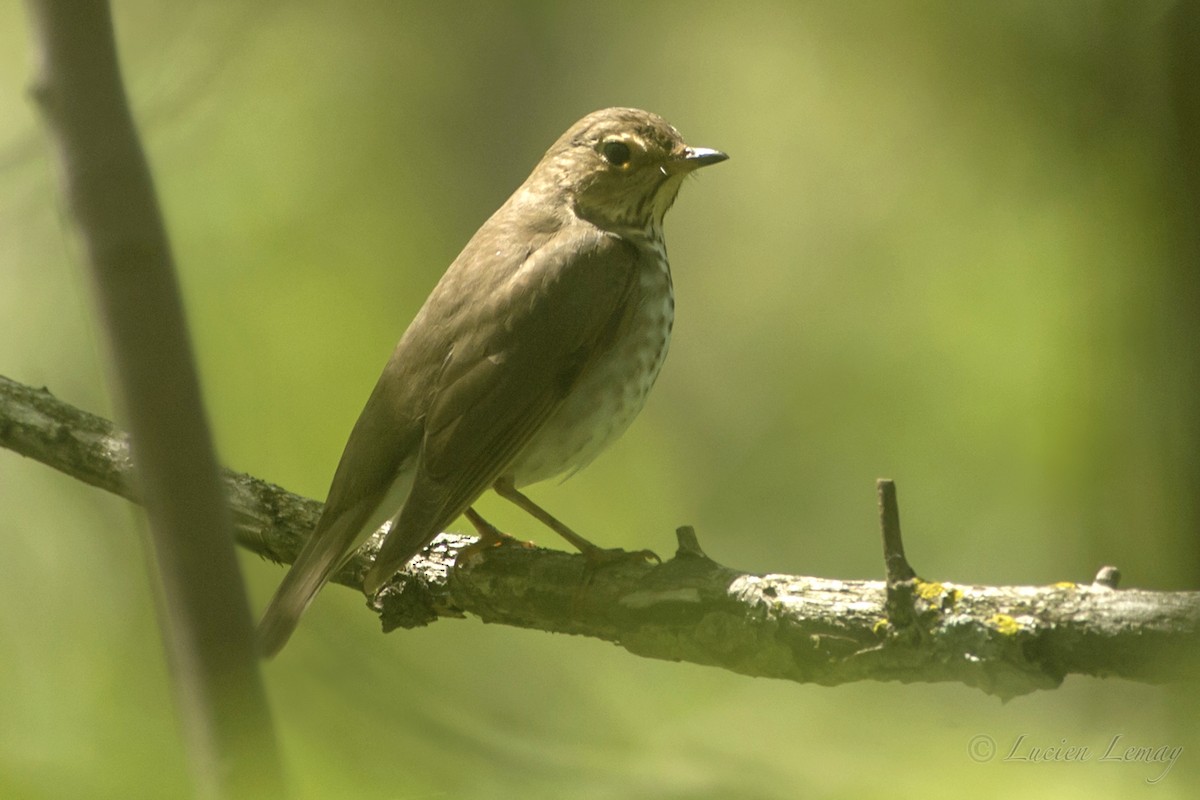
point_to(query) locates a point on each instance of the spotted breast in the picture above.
(612, 393)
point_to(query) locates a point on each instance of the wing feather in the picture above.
(505, 377)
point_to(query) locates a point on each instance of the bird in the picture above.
(532, 354)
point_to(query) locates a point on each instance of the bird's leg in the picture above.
(489, 536)
(509, 492)
(593, 552)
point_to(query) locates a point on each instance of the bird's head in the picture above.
(620, 168)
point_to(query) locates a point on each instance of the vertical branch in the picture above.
(900, 574)
(896, 564)
(205, 614)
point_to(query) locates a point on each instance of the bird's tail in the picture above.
(413, 527)
(398, 549)
(320, 557)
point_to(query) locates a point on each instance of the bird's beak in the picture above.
(694, 158)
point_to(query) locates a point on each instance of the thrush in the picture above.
(532, 354)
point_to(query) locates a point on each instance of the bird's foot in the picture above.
(601, 556)
(489, 536)
(596, 555)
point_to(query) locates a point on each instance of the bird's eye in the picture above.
(616, 153)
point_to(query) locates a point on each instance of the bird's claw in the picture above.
(601, 556)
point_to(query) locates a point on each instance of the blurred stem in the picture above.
(205, 615)
(1182, 173)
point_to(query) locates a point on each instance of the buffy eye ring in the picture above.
(616, 153)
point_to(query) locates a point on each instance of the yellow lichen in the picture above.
(937, 594)
(930, 591)
(1004, 624)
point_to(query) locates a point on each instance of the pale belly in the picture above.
(608, 397)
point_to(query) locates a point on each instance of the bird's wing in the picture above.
(382, 445)
(526, 346)
(385, 436)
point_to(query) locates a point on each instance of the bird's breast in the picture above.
(613, 390)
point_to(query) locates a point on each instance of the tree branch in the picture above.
(1005, 640)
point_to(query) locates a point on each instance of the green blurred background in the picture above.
(955, 245)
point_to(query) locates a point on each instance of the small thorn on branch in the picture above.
(1107, 577)
(898, 568)
(689, 545)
